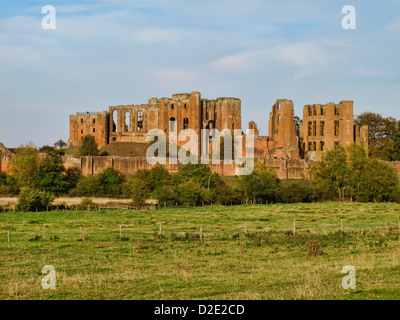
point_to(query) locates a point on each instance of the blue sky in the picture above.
(112, 52)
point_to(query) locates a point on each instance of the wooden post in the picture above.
(245, 227)
(80, 232)
(8, 235)
(120, 232)
(201, 234)
(294, 227)
(160, 228)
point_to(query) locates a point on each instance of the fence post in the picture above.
(294, 227)
(201, 234)
(160, 229)
(8, 235)
(245, 227)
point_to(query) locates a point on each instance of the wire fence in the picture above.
(130, 229)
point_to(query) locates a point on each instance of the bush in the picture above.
(110, 183)
(167, 195)
(31, 199)
(296, 191)
(85, 203)
(88, 186)
(189, 193)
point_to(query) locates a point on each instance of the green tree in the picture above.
(381, 132)
(51, 174)
(73, 176)
(111, 181)
(139, 193)
(189, 193)
(332, 173)
(88, 146)
(261, 185)
(198, 173)
(30, 199)
(25, 165)
(380, 182)
(396, 144)
(88, 186)
(297, 122)
(296, 191)
(167, 195)
(3, 178)
(160, 176)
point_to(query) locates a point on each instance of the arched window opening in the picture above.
(127, 121)
(172, 126)
(139, 121)
(115, 121)
(185, 123)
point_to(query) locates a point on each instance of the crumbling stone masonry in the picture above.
(131, 123)
(325, 126)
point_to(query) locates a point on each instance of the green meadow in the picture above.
(220, 252)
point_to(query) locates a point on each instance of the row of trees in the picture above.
(344, 174)
(384, 135)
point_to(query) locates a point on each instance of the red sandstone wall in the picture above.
(286, 169)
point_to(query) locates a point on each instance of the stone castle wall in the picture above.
(285, 168)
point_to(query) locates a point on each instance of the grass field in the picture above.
(267, 262)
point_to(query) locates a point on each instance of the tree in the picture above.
(199, 173)
(25, 166)
(88, 146)
(355, 175)
(160, 176)
(88, 186)
(396, 144)
(139, 193)
(261, 185)
(297, 122)
(380, 182)
(3, 178)
(31, 199)
(111, 181)
(73, 176)
(167, 195)
(189, 193)
(296, 191)
(51, 174)
(331, 174)
(381, 133)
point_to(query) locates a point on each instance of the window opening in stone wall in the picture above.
(185, 123)
(172, 124)
(139, 121)
(127, 121)
(115, 121)
(336, 127)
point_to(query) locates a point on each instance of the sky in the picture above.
(112, 52)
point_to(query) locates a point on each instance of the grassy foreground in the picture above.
(267, 262)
